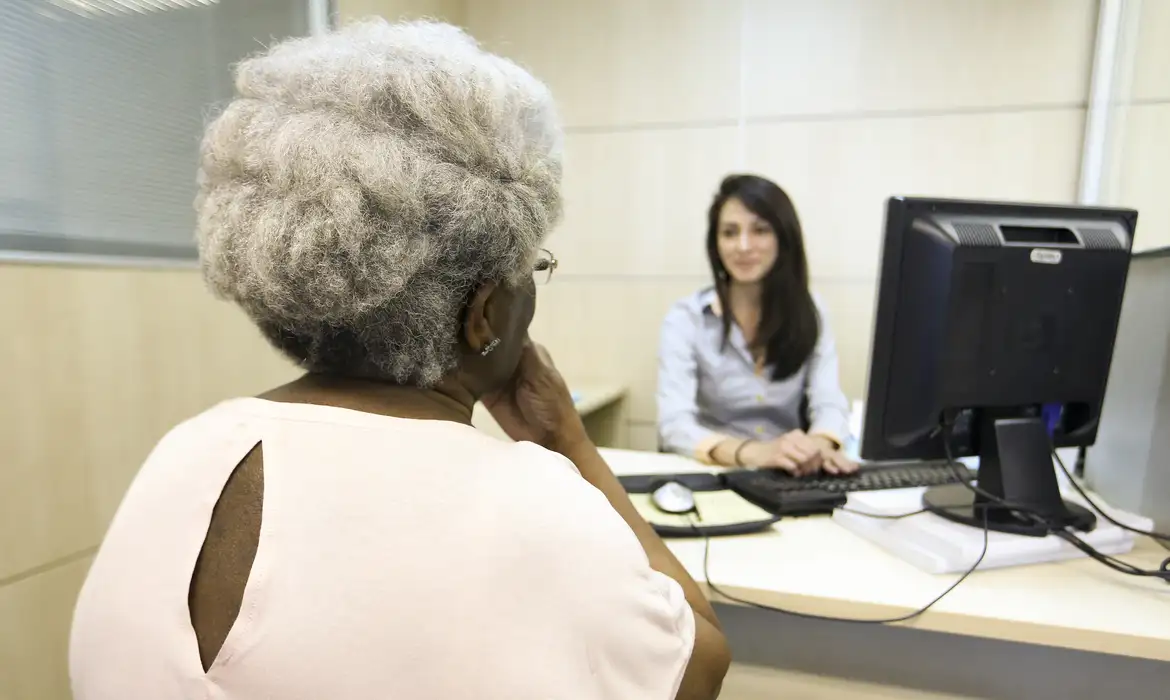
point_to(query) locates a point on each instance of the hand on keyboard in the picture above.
(798, 454)
(833, 460)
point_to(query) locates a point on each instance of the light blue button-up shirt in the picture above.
(707, 394)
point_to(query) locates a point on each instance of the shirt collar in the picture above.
(709, 302)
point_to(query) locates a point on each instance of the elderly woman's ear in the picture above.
(477, 329)
(494, 331)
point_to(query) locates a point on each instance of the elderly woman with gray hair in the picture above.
(375, 200)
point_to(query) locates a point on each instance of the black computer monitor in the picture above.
(993, 337)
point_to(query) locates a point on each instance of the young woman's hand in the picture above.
(833, 460)
(797, 453)
(536, 405)
(794, 452)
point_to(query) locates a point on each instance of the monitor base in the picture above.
(939, 546)
(960, 504)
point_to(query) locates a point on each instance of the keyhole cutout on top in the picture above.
(225, 561)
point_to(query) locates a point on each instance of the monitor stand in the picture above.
(1015, 464)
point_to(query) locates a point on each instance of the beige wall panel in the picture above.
(636, 201)
(35, 616)
(850, 305)
(1144, 182)
(1151, 72)
(607, 330)
(840, 173)
(104, 362)
(622, 62)
(644, 436)
(835, 56)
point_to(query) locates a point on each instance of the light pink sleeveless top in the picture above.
(397, 559)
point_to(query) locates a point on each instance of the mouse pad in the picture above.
(716, 509)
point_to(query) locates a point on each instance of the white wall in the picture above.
(843, 102)
(1143, 163)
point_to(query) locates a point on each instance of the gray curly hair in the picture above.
(364, 182)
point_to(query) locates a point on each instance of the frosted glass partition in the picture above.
(102, 103)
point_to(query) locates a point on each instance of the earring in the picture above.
(487, 349)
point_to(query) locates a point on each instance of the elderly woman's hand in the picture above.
(536, 405)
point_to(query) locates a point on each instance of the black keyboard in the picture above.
(783, 494)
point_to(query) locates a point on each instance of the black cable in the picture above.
(1100, 510)
(1122, 567)
(899, 516)
(879, 516)
(1063, 532)
(827, 618)
(1163, 571)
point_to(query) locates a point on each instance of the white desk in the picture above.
(813, 565)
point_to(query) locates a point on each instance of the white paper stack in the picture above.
(937, 545)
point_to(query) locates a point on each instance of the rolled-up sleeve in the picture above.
(827, 405)
(679, 429)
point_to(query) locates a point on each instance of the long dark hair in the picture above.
(789, 323)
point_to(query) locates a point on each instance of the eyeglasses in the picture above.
(545, 265)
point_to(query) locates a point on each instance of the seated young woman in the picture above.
(747, 369)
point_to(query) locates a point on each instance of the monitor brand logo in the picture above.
(1046, 256)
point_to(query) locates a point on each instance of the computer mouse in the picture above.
(674, 498)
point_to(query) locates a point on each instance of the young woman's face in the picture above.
(747, 244)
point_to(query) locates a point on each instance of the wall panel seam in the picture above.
(857, 115)
(48, 566)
